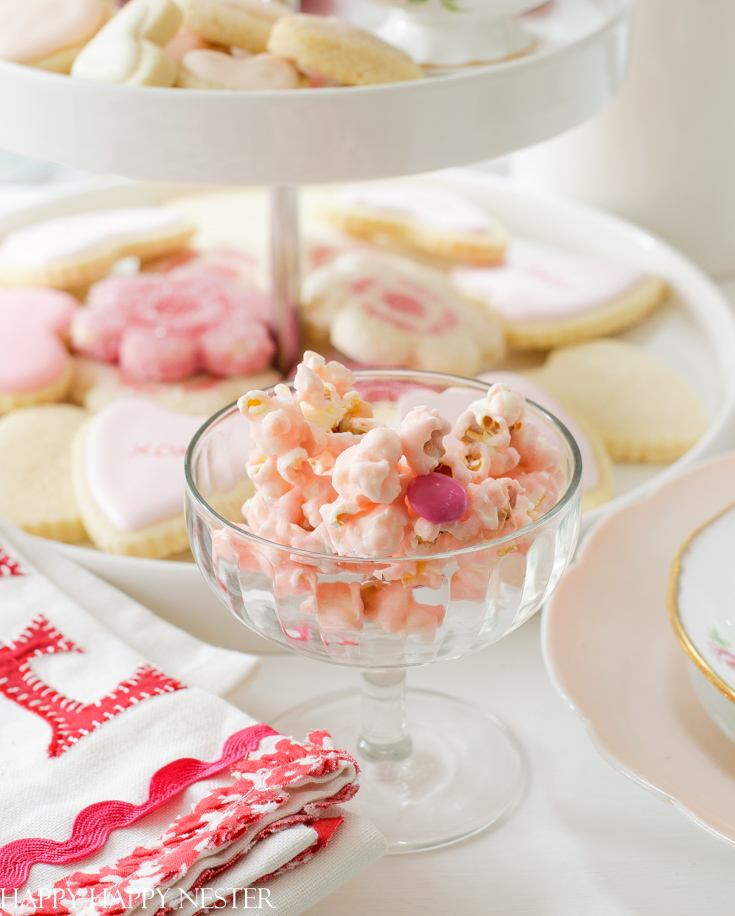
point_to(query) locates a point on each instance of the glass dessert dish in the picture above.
(434, 769)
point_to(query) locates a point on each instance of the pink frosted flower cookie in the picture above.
(35, 366)
(70, 252)
(383, 310)
(168, 327)
(425, 221)
(558, 300)
(49, 33)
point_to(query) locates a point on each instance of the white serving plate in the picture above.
(694, 332)
(612, 652)
(318, 135)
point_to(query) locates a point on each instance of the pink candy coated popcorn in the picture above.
(167, 327)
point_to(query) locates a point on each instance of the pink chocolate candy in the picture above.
(437, 498)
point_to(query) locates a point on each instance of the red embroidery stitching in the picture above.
(69, 719)
(9, 566)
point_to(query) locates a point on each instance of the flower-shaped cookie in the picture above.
(167, 327)
(388, 311)
(35, 367)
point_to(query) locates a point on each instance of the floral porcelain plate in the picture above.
(612, 653)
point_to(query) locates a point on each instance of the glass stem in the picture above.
(384, 737)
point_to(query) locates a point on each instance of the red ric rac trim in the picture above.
(94, 824)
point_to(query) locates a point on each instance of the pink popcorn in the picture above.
(167, 327)
(393, 607)
(422, 434)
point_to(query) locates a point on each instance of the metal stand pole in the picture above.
(285, 270)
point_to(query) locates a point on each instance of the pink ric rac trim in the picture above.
(94, 824)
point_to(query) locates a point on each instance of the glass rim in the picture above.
(573, 486)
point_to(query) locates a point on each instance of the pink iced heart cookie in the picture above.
(35, 367)
(168, 327)
(128, 466)
(552, 300)
(49, 33)
(207, 69)
(388, 311)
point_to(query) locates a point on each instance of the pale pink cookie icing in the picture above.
(242, 267)
(554, 287)
(31, 30)
(255, 72)
(31, 352)
(167, 327)
(185, 41)
(134, 460)
(75, 236)
(439, 209)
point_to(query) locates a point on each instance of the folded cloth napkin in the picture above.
(124, 789)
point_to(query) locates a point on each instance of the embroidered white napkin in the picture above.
(123, 789)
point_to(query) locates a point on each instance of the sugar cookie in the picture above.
(130, 47)
(239, 23)
(128, 466)
(37, 492)
(428, 221)
(203, 69)
(384, 310)
(169, 327)
(97, 384)
(49, 33)
(342, 52)
(35, 366)
(597, 467)
(559, 300)
(73, 251)
(642, 409)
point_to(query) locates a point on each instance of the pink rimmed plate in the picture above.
(612, 653)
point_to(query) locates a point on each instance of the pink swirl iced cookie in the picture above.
(206, 69)
(560, 300)
(419, 219)
(49, 33)
(169, 327)
(130, 48)
(387, 311)
(35, 366)
(234, 23)
(72, 251)
(242, 267)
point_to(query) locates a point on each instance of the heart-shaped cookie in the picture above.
(129, 49)
(35, 367)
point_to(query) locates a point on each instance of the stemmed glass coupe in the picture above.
(434, 769)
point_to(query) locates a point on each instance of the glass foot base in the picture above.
(465, 772)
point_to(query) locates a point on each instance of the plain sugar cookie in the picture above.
(243, 24)
(642, 409)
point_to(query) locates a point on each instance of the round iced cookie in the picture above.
(35, 366)
(234, 23)
(560, 300)
(384, 310)
(342, 52)
(428, 221)
(37, 491)
(73, 251)
(49, 33)
(128, 467)
(203, 69)
(642, 409)
(130, 48)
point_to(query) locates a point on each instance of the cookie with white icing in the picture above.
(49, 33)
(70, 252)
(555, 300)
(383, 310)
(642, 409)
(130, 48)
(419, 220)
